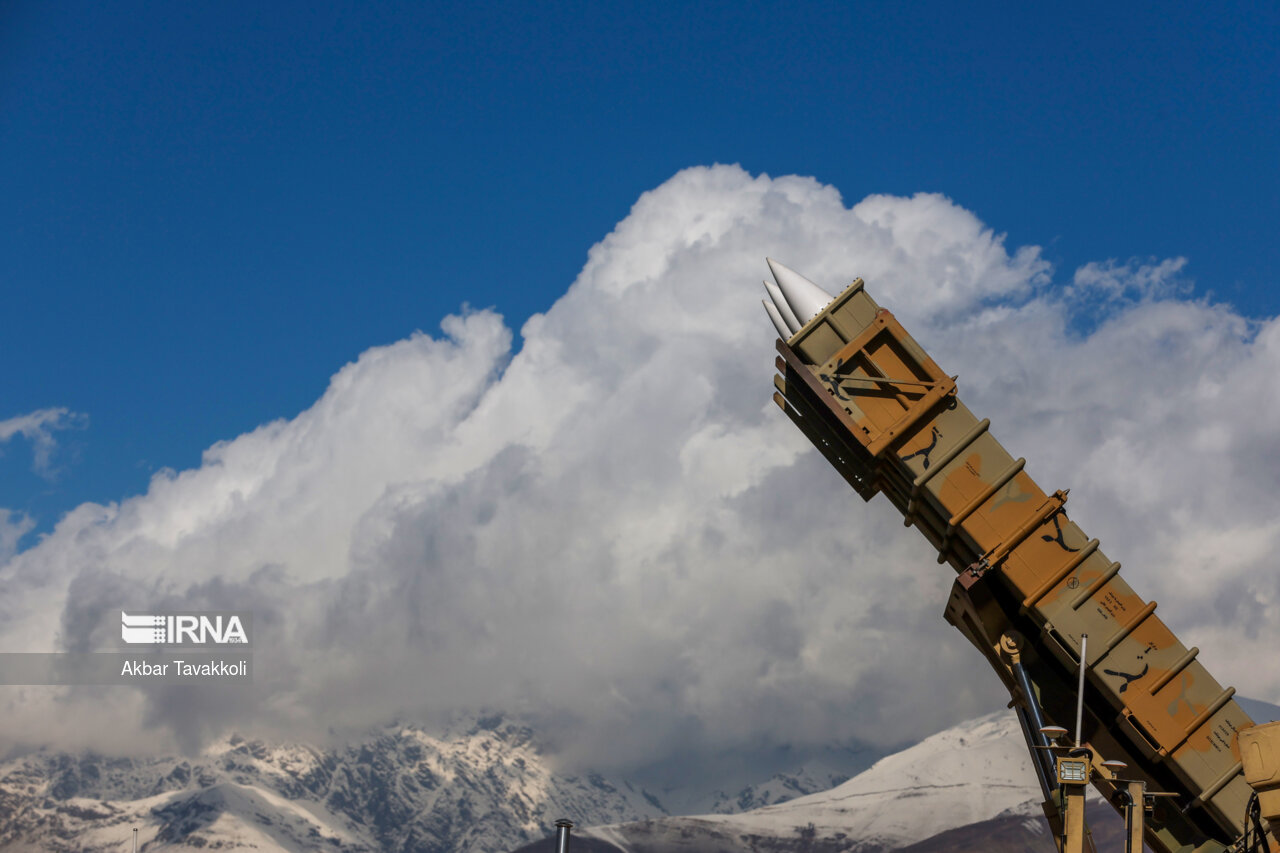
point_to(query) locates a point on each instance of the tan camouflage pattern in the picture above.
(1260, 751)
(888, 419)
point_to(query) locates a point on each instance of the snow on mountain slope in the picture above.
(732, 780)
(486, 787)
(973, 772)
(779, 788)
(968, 773)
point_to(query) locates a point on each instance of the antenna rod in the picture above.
(1084, 646)
(563, 825)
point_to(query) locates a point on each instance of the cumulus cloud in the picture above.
(38, 428)
(615, 533)
(13, 526)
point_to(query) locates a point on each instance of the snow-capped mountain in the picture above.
(779, 788)
(485, 788)
(977, 771)
(974, 771)
(729, 781)
(968, 788)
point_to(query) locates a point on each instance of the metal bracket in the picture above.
(919, 409)
(974, 573)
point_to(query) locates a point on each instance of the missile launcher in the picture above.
(1030, 586)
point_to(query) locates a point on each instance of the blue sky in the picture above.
(228, 215)
(208, 209)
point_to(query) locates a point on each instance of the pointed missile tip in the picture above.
(784, 310)
(776, 319)
(804, 297)
(773, 267)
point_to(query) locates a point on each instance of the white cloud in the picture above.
(615, 532)
(13, 526)
(38, 428)
(1112, 280)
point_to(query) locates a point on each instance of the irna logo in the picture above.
(184, 629)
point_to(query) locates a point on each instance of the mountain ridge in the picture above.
(486, 786)
(402, 789)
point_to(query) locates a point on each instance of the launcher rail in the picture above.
(890, 421)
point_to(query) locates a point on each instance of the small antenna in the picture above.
(135, 839)
(1084, 646)
(563, 825)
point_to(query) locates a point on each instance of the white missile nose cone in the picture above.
(784, 310)
(783, 331)
(805, 298)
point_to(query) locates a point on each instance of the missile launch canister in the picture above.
(890, 421)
